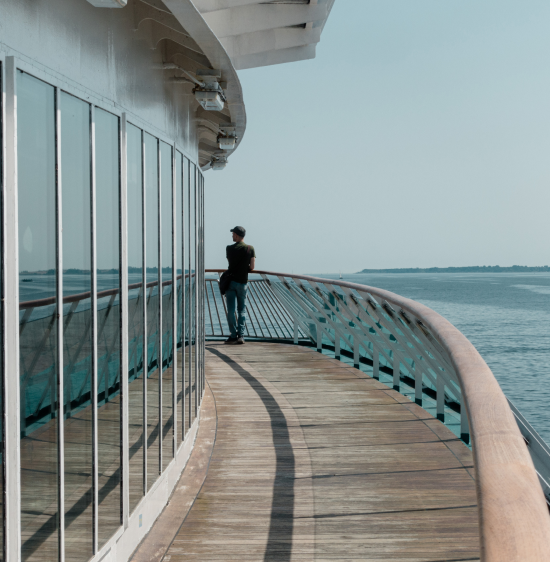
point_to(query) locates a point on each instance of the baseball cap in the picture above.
(239, 231)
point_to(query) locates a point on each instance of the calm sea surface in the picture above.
(505, 315)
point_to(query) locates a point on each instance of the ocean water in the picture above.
(505, 315)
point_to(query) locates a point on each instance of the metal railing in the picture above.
(267, 317)
(420, 354)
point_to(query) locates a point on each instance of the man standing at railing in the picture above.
(242, 260)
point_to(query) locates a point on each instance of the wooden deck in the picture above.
(315, 460)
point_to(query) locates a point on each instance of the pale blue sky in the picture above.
(418, 137)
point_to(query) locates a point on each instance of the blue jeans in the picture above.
(236, 293)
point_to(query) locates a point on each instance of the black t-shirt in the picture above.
(239, 256)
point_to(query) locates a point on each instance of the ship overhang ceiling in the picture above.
(258, 33)
(190, 46)
(226, 35)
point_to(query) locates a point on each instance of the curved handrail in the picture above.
(513, 514)
(101, 294)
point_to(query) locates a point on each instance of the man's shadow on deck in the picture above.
(279, 543)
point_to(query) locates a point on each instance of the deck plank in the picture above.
(314, 460)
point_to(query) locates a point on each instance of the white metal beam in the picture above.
(270, 40)
(205, 6)
(259, 17)
(279, 56)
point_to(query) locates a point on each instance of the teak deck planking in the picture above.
(315, 460)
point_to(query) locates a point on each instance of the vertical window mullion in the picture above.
(10, 258)
(59, 358)
(199, 288)
(125, 496)
(159, 310)
(196, 303)
(145, 354)
(203, 383)
(190, 307)
(95, 462)
(174, 311)
(183, 298)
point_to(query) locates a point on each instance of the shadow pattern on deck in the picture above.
(315, 460)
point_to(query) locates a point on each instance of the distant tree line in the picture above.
(468, 269)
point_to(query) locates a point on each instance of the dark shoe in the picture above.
(240, 340)
(231, 341)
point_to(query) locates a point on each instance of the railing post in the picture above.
(418, 387)
(375, 363)
(440, 407)
(464, 426)
(337, 346)
(319, 337)
(355, 352)
(396, 373)
(295, 332)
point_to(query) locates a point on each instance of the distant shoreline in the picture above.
(470, 269)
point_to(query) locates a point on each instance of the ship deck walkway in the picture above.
(304, 457)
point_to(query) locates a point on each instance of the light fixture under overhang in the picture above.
(210, 100)
(210, 95)
(108, 3)
(226, 143)
(227, 137)
(218, 163)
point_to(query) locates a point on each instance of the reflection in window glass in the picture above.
(179, 303)
(187, 295)
(153, 308)
(167, 303)
(108, 323)
(193, 286)
(38, 326)
(201, 283)
(77, 331)
(135, 315)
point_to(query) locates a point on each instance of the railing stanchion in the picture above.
(355, 352)
(337, 347)
(418, 386)
(464, 426)
(375, 363)
(295, 332)
(319, 334)
(440, 391)
(396, 373)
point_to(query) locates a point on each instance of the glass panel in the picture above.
(167, 303)
(77, 332)
(108, 323)
(135, 315)
(38, 326)
(180, 275)
(152, 256)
